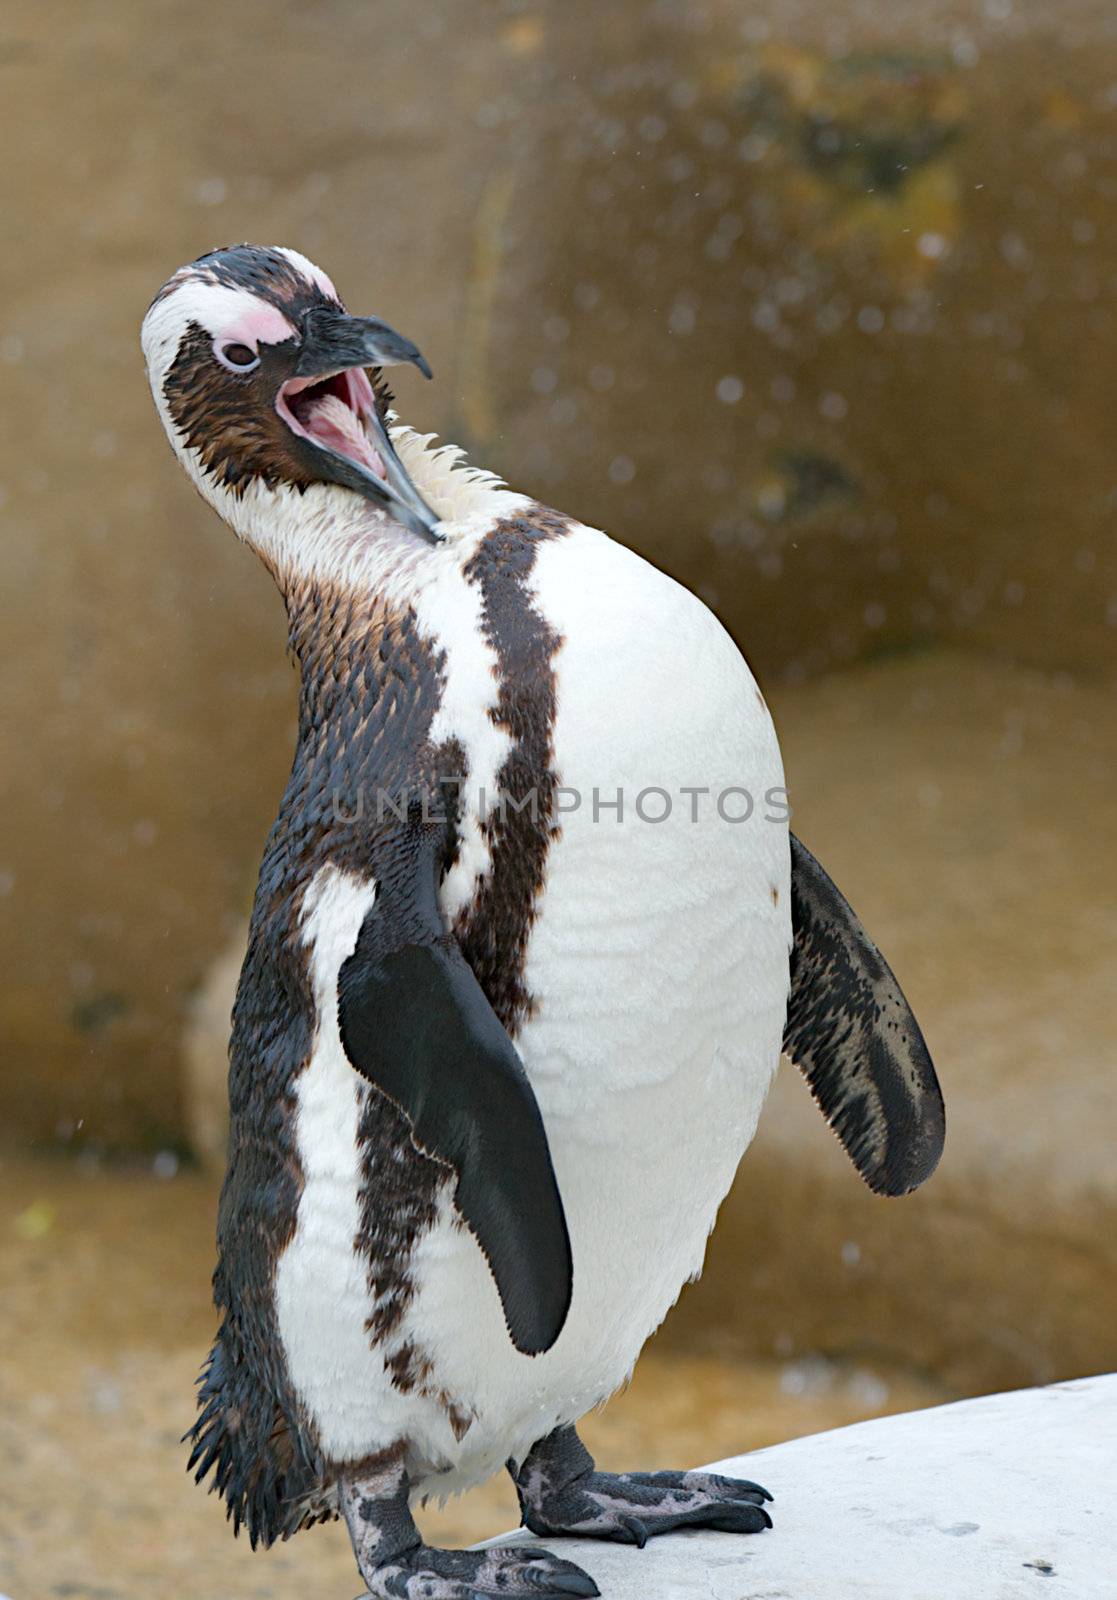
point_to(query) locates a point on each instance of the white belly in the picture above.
(659, 964)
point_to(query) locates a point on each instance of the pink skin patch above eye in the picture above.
(262, 325)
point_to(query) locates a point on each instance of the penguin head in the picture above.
(272, 397)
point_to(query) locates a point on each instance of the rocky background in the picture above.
(811, 303)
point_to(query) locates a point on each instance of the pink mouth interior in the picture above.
(331, 412)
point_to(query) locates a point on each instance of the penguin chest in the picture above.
(655, 974)
(658, 957)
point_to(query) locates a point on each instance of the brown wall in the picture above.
(600, 231)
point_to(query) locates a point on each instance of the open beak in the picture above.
(329, 403)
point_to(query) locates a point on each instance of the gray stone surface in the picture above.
(999, 1498)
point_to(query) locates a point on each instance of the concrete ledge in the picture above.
(1002, 1497)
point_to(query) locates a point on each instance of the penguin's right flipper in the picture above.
(415, 1022)
(851, 1033)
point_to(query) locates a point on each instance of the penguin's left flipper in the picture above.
(852, 1034)
(415, 1022)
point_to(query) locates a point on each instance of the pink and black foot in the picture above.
(396, 1565)
(561, 1492)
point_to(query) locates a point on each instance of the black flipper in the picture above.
(852, 1035)
(415, 1022)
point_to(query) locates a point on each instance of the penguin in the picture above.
(529, 936)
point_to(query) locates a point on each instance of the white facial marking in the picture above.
(224, 312)
(307, 269)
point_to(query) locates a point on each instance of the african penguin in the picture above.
(520, 967)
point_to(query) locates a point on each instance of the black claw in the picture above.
(738, 1488)
(753, 1488)
(579, 1583)
(733, 1517)
(636, 1529)
(747, 1498)
(756, 1519)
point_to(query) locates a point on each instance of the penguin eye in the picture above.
(237, 357)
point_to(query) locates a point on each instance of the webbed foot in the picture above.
(513, 1572)
(396, 1565)
(561, 1492)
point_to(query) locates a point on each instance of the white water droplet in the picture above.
(211, 191)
